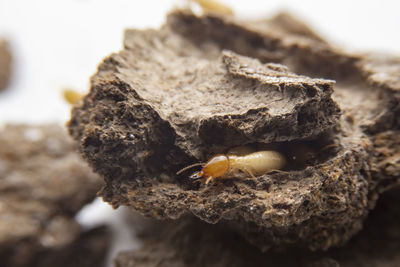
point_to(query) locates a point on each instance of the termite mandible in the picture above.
(253, 163)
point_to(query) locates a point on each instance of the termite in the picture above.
(238, 159)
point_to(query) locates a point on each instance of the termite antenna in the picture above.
(188, 167)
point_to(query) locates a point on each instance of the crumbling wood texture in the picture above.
(187, 242)
(201, 85)
(5, 64)
(43, 184)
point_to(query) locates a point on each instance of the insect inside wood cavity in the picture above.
(238, 159)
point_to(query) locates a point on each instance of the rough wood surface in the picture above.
(201, 85)
(187, 242)
(43, 184)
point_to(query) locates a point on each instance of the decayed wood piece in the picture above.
(43, 184)
(188, 242)
(201, 85)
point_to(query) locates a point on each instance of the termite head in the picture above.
(215, 167)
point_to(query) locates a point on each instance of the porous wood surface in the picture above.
(43, 184)
(203, 84)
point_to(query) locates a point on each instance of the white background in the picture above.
(59, 43)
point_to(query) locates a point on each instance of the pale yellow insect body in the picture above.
(253, 163)
(257, 163)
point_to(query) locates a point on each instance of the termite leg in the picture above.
(209, 179)
(278, 171)
(327, 147)
(249, 172)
